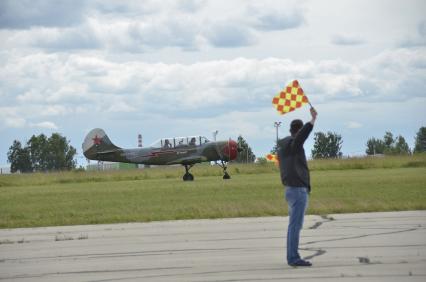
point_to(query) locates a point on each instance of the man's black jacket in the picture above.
(293, 165)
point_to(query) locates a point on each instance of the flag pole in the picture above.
(308, 101)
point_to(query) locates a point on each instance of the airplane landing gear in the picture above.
(226, 176)
(188, 176)
(225, 173)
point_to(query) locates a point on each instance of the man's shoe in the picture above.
(300, 263)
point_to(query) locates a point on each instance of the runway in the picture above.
(389, 246)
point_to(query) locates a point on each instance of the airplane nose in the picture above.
(230, 150)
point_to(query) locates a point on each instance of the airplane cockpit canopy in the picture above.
(177, 142)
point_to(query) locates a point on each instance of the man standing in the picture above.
(295, 177)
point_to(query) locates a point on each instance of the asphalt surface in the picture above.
(347, 247)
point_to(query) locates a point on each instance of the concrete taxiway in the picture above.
(387, 246)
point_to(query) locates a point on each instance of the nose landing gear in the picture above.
(224, 166)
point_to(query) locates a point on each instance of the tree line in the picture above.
(329, 145)
(42, 153)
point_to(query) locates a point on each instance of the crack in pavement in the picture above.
(96, 271)
(319, 223)
(320, 251)
(361, 236)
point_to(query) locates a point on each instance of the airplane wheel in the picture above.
(188, 177)
(226, 176)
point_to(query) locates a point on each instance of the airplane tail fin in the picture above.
(97, 143)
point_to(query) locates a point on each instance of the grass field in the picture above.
(68, 198)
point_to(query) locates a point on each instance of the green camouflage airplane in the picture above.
(186, 151)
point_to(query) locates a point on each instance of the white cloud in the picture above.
(419, 39)
(230, 35)
(10, 117)
(353, 124)
(28, 13)
(422, 28)
(80, 37)
(112, 8)
(159, 32)
(55, 110)
(14, 122)
(59, 84)
(17, 117)
(137, 27)
(120, 106)
(274, 16)
(344, 39)
(44, 124)
(190, 6)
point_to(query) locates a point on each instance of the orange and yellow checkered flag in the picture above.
(272, 158)
(290, 98)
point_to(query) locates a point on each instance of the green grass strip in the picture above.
(245, 195)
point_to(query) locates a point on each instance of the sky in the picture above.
(189, 67)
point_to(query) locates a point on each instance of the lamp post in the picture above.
(215, 134)
(276, 125)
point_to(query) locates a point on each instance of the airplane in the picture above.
(186, 151)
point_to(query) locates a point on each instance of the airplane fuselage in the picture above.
(163, 156)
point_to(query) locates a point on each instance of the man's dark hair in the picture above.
(295, 126)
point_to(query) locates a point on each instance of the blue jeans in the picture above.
(297, 199)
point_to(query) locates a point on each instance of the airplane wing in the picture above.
(188, 160)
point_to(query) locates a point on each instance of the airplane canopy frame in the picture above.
(176, 142)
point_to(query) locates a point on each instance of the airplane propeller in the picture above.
(226, 153)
